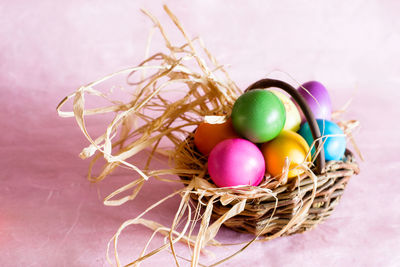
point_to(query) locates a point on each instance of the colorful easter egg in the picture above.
(317, 98)
(208, 135)
(236, 162)
(286, 144)
(258, 115)
(293, 117)
(334, 146)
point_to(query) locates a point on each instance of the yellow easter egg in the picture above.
(293, 117)
(286, 144)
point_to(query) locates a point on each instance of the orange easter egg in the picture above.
(286, 144)
(208, 135)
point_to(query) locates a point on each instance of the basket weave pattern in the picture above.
(270, 215)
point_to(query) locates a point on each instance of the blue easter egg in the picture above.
(334, 146)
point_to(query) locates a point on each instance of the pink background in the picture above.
(50, 215)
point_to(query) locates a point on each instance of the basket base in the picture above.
(268, 216)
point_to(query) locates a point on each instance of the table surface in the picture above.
(52, 216)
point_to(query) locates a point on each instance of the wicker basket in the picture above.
(268, 216)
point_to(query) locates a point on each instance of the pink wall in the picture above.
(50, 214)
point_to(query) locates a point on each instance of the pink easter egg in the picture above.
(235, 162)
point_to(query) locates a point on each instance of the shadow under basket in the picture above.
(267, 215)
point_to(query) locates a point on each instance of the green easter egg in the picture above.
(258, 115)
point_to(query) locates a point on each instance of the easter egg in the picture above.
(286, 144)
(317, 98)
(208, 135)
(334, 146)
(258, 115)
(236, 162)
(293, 117)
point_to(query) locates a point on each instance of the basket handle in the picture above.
(267, 83)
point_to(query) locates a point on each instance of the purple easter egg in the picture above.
(319, 100)
(234, 162)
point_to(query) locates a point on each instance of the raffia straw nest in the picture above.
(275, 208)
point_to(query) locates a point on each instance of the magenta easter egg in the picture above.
(236, 162)
(317, 98)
